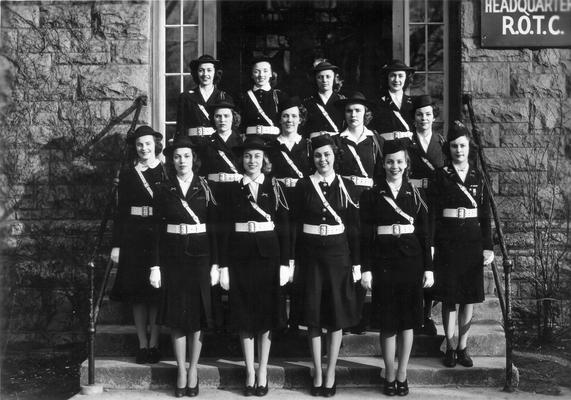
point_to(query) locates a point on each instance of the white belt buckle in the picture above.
(396, 230)
(259, 129)
(287, 182)
(354, 179)
(424, 183)
(182, 229)
(145, 211)
(461, 212)
(200, 131)
(323, 230)
(251, 226)
(222, 177)
(396, 135)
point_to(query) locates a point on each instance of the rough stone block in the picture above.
(65, 15)
(533, 85)
(114, 81)
(471, 51)
(125, 20)
(486, 79)
(501, 110)
(516, 158)
(9, 42)
(20, 15)
(546, 112)
(546, 57)
(121, 105)
(490, 134)
(131, 52)
(469, 17)
(85, 113)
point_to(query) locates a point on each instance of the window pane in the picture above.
(170, 131)
(418, 84)
(417, 10)
(188, 82)
(172, 50)
(190, 46)
(172, 12)
(435, 47)
(417, 47)
(172, 90)
(190, 12)
(436, 85)
(435, 10)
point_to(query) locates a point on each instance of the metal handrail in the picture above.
(95, 303)
(505, 295)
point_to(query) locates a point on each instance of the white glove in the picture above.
(367, 280)
(432, 252)
(115, 254)
(291, 270)
(488, 257)
(155, 277)
(356, 273)
(284, 274)
(428, 279)
(214, 275)
(224, 278)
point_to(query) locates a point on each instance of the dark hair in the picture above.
(337, 153)
(368, 117)
(196, 163)
(471, 145)
(273, 79)
(236, 119)
(302, 114)
(337, 81)
(406, 172)
(435, 110)
(132, 155)
(266, 164)
(217, 74)
(385, 79)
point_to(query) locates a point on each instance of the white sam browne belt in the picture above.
(224, 177)
(143, 211)
(254, 226)
(262, 130)
(200, 131)
(186, 229)
(288, 182)
(323, 229)
(460, 213)
(360, 180)
(394, 229)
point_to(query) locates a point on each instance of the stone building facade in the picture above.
(68, 68)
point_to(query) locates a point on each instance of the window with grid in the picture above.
(427, 50)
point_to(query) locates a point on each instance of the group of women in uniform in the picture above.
(334, 195)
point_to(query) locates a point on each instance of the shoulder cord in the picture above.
(418, 199)
(280, 196)
(343, 191)
(207, 191)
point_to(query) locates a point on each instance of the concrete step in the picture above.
(489, 310)
(123, 373)
(485, 339)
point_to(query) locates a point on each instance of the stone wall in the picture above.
(522, 103)
(69, 67)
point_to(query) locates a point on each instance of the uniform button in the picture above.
(323, 219)
(324, 210)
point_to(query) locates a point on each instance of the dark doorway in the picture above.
(355, 35)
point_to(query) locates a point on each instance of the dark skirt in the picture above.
(132, 279)
(459, 272)
(397, 294)
(186, 301)
(325, 295)
(255, 296)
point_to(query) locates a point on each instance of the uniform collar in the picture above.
(283, 140)
(265, 88)
(329, 179)
(366, 132)
(140, 167)
(246, 180)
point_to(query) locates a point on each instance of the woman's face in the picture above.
(396, 80)
(289, 120)
(354, 115)
(261, 73)
(423, 118)
(145, 146)
(325, 80)
(253, 162)
(223, 119)
(395, 165)
(182, 159)
(459, 149)
(324, 158)
(206, 73)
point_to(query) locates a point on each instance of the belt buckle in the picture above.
(424, 183)
(200, 131)
(323, 230)
(144, 211)
(396, 229)
(182, 229)
(287, 182)
(259, 129)
(395, 135)
(251, 226)
(461, 212)
(354, 179)
(222, 177)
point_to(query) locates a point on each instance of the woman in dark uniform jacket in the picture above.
(397, 261)
(133, 237)
(192, 117)
(426, 156)
(463, 241)
(393, 115)
(327, 254)
(255, 259)
(185, 252)
(259, 106)
(322, 115)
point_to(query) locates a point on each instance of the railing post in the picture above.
(91, 329)
(509, 386)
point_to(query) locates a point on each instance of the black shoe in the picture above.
(402, 388)
(315, 391)
(261, 390)
(390, 388)
(192, 391)
(154, 355)
(329, 392)
(142, 356)
(249, 391)
(463, 358)
(179, 392)
(449, 358)
(429, 327)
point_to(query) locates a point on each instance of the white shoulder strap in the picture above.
(227, 161)
(398, 210)
(401, 119)
(292, 164)
(327, 117)
(358, 159)
(203, 109)
(325, 202)
(262, 212)
(144, 181)
(262, 113)
(189, 211)
(468, 195)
